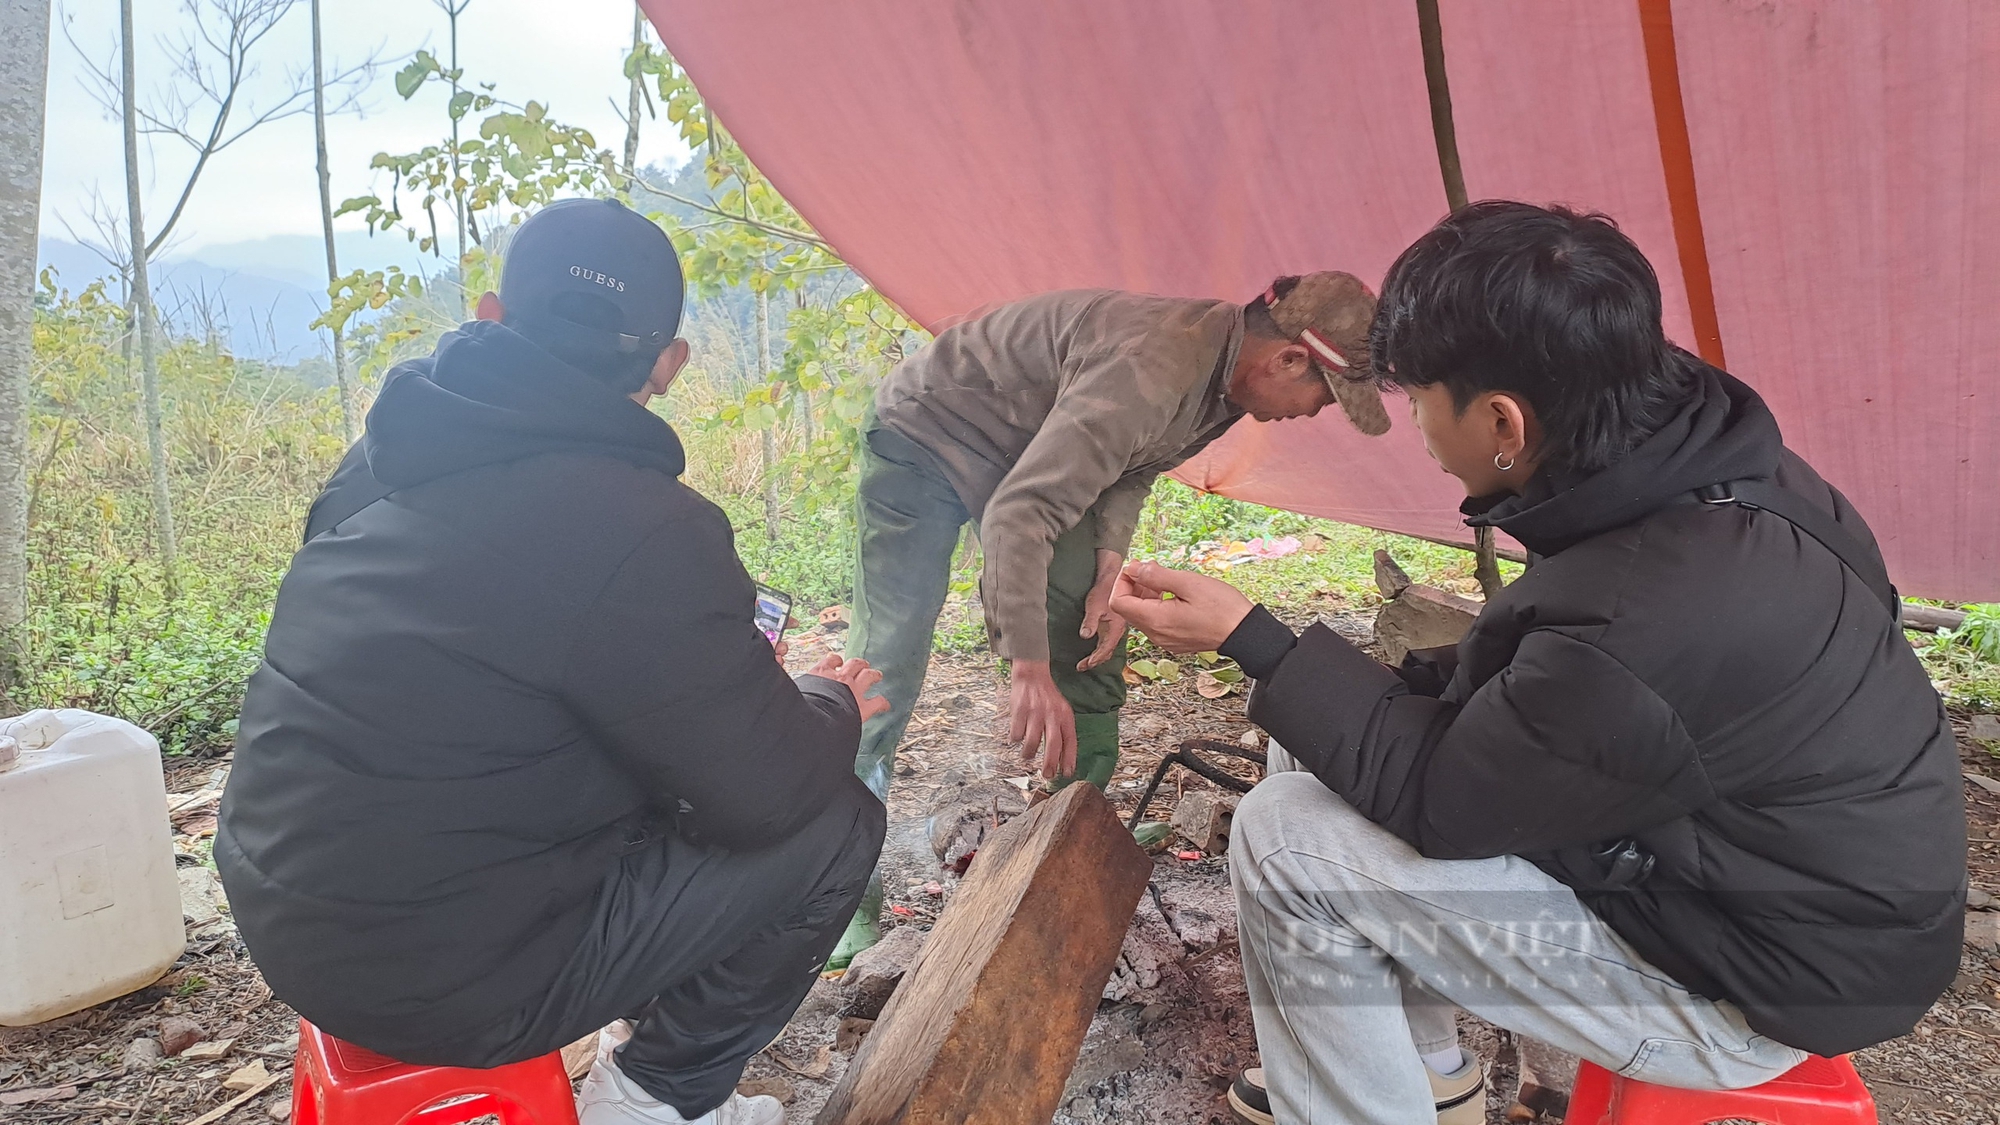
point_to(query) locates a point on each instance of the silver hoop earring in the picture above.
(1499, 466)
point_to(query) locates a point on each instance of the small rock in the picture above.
(246, 1077)
(960, 819)
(1250, 738)
(876, 971)
(1081, 1107)
(1985, 728)
(1982, 932)
(200, 891)
(852, 1031)
(211, 1049)
(1547, 1076)
(280, 1110)
(1101, 1057)
(142, 1054)
(1977, 899)
(178, 1033)
(771, 1087)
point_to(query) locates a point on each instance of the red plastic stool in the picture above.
(1816, 1092)
(338, 1083)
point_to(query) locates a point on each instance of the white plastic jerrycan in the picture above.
(89, 905)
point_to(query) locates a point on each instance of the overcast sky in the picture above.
(566, 54)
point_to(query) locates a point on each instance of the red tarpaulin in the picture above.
(1844, 155)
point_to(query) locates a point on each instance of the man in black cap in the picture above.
(517, 762)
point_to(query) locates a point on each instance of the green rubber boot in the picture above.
(863, 930)
(1096, 750)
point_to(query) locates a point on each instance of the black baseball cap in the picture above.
(592, 280)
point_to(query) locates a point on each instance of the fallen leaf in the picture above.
(814, 1069)
(1188, 855)
(212, 1049)
(772, 1087)
(578, 1056)
(1212, 686)
(899, 910)
(246, 1077)
(33, 1097)
(1984, 782)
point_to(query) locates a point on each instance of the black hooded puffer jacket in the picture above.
(1709, 682)
(511, 637)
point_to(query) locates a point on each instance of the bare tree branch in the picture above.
(209, 105)
(744, 219)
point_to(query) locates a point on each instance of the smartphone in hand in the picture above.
(774, 611)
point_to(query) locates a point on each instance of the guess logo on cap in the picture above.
(597, 276)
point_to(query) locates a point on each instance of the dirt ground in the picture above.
(1162, 1051)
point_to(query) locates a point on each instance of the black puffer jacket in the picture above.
(1708, 681)
(475, 690)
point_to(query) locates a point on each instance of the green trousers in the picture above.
(909, 523)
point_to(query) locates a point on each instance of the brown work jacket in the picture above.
(1060, 408)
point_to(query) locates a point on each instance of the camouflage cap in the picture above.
(1329, 312)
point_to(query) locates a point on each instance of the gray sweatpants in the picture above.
(1358, 951)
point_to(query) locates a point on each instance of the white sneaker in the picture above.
(612, 1037)
(608, 1097)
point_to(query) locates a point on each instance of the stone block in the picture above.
(1422, 617)
(872, 978)
(1205, 818)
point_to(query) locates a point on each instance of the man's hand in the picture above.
(782, 646)
(1199, 617)
(859, 678)
(1042, 720)
(1098, 620)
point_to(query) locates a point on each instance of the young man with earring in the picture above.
(1683, 802)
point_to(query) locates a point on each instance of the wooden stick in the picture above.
(224, 1110)
(1930, 618)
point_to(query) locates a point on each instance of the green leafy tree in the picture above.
(838, 340)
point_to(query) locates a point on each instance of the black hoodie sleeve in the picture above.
(1564, 747)
(671, 673)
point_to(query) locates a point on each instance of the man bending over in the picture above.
(518, 763)
(1045, 423)
(1682, 802)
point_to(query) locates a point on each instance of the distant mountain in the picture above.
(300, 259)
(261, 317)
